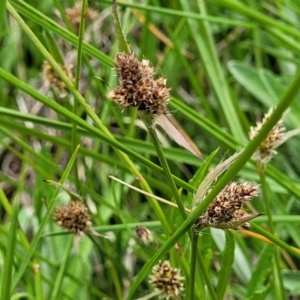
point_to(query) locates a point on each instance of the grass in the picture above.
(227, 63)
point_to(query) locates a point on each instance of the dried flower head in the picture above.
(144, 235)
(73, 216)
(167, 280)
(227, 207)
(51, 78)
(266, 150)
(137, 88)
(74, 15)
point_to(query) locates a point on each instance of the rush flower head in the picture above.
(73, 216)
(74, 15)
(166, 280)
(51, 78)
(144, 235)
(227, 207)
(275, 138)
(137, 88)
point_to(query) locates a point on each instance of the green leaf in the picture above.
(262, 271)
(227, 261)
(259, 82)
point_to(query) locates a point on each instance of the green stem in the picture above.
(75, 138)
(278, 284)
(61, 273)
(193, 266)
(149, 122)
(147, 119)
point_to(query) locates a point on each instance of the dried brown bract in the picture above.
(167, 280)
(266, 150)
(74, 15)
(137, 88)
(51, 78)
(73, 216)
(227, 207)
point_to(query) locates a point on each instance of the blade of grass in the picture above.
(44, 221)
(9, 255)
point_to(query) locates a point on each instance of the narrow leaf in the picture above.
(9, 255)
(262, 270)
(200, 173)
(212, 176)
(227, 261)
(176, 132)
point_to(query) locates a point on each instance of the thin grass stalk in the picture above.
(5, 203)
(38, 282)
(280, 291)
(9, 255)
(148, 121)
(259, 17)
(191, 294)
(63, 14)
(75, 137)
(61, 272)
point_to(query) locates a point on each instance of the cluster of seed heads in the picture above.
(266, 149)
(73, 216)
(228, 205)
(166, 280)
(137, 88)
(51, 78)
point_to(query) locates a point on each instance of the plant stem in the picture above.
(193, 266)
(149, 122)
(278, 284)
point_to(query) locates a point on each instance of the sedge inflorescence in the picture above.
(144, 235)
(266, 149)
(74, 15)
(227, 207)
(137, 88)
(166, 280)
(51, 78)
(73, 216)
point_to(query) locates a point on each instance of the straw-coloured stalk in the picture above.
(227, 207)
(74, 217)
(166, 280)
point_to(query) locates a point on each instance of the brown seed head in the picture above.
(166, 280)
(144, 235)
(137, 88)
(74, 15)
(73, 216)
(266, 150)
(228, 205)
(51, 78)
